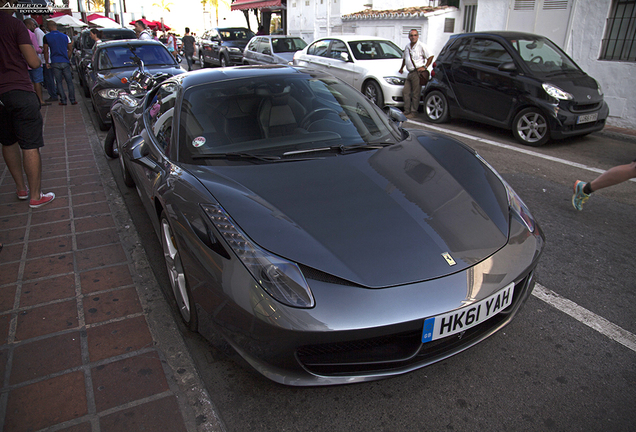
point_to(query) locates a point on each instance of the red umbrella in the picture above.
(144, 20)
(156, 25)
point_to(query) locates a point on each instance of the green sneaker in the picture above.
(579, 198)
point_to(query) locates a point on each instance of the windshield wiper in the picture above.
(236, 155)
(563, 72)
(363, 146)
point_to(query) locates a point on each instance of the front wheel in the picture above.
(223, 61)
(125, 172)
(176, 274)
(110, 144)
(436, 107)
(373, 92)
(530, 127)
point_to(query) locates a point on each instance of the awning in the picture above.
(256, 4)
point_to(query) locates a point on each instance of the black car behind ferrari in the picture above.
(517, 81)
(83, 49)
(112, 65)
(223, 46)
(326, 244)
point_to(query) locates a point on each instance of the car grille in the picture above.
(581, 108)
(398, 351)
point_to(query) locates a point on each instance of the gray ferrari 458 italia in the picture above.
(324, 242)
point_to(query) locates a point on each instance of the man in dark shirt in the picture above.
(20, 118)
(188, 47)
(61, 49)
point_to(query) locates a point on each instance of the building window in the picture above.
(619, 43)
(470, 16)
(449, 25)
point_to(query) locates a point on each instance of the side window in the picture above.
(161, 112)
(319, 48)
(489, 53)
(253, 44)
(337, 49)
(462, 48)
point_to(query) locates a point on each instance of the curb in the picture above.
(199, 412)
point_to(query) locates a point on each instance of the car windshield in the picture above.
(283, 45)
(236, 34)
(278, 116)
(375, 50)
(542, 56)
(120, 56)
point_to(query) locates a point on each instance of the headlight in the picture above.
(235, 49)
(110, 93)
(556, 92)
(516, 205)
(600, 90)
(282, 279)
(395, 80)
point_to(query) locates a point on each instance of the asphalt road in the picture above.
(546, 371)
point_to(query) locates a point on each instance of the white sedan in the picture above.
(370, 64)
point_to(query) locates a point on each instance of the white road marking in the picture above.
(579, 313)
(586, 317)
(513, 148)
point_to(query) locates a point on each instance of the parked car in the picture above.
(111, 66)
(264, 50)
(223, 46)
(327, 244)
(518, 81)
(83, 49)
(368, 63)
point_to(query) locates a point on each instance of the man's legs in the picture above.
(13, 158)
(189, 60)
(406, 95)
(68, 76)
(49, 82)
(614, 176)
(416, 90)
(57, 72)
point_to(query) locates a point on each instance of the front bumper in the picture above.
(353, 334)
(563, 121)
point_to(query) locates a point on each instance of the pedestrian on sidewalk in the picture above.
(49, 78)
(61, 49)
(415, 58)
(96, 35)
(36, 74)
(20, 118)
(142, 31)
(188, 47)
(611, 177)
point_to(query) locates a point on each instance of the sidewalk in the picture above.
(88, 342)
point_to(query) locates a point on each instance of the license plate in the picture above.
(462, 319)
(587, 118)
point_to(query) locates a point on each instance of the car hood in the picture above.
(382, 68)
(236, 43)
(113, 77)
(583, 87)
(375, 218)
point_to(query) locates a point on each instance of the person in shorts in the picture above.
(20, 118)
(36, 74)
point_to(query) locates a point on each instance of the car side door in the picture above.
(316, 56)
(340, 62)
(484, 87)
(264, 49)
(159, 139)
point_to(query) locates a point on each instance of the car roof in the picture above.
(354, 38)
(504, 34)
(112, 30)
(125, 42)
(205, 76)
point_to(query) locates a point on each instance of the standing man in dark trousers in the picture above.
(188, 47)
(416, 57)
(61, 49)
(20, 118)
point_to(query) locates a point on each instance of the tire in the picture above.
(202, 61)
(436, 107)
(176, 274)
(102, 125)
(373, 92)
(110, 144)
(125, 172)
(530, 127)
(87, 92)
(223, 61)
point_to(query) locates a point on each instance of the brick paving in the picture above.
(78, 350)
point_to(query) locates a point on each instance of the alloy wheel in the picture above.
(175, 270)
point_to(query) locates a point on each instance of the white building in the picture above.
(600, 35)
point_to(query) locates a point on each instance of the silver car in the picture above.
(370, 64)
(266, 50)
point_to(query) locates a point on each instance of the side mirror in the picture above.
(507, 67)
(344, 56)
(267, 51)
(396, 115)
(137, 151)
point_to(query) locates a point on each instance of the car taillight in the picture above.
(434, 64)
(433, 73)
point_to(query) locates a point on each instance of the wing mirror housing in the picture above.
(507, 67)
(137, 151)
(396, 115)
